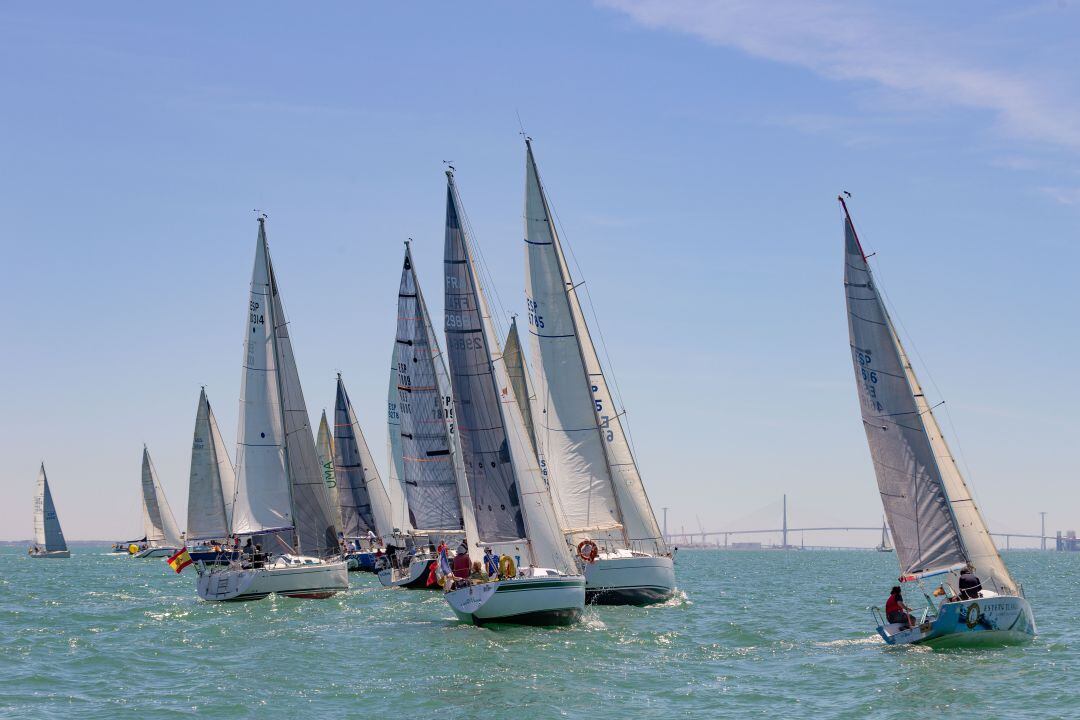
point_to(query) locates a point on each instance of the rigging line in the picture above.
(487, 280)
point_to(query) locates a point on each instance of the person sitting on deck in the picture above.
(970, 585)
(477, 574)
(372, 539)
(491, 562)
(248, 548)
(461, 563)
(258, 558)
(895, 609)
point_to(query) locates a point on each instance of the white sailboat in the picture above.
(211, 488)
(939, 533)
(161, 535)
(593, 475)
(430, 458)
(505, 503)
(363, 501)
(48, 537)
(281, 497)
(885, 546)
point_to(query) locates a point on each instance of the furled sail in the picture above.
(47, 532)
(425, 413)
(507, 495)
(279, 480)
(593, 472)
(363, 500)
(159, 525)
(211, 483)
(932, 517)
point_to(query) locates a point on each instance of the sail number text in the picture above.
(869, 380)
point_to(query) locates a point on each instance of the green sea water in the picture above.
(751, 634)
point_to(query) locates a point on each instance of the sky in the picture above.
(693, 152)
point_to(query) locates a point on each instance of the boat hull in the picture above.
(634, 580)
(1001, 620)
(361, 561)
(414, 577)
(51, 555)
(544, 600)
(312, 580)
(156, 552)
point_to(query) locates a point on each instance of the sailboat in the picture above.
(939, 533)
(431, 469)
(48, 537)
(884, 546)
(363, 502)
(324, 448)
(594, 477)
(281, 499)
(211, 489)
(505, 504)
(161, 535)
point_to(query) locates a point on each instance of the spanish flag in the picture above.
(180, 560)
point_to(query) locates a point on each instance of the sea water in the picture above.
(767, 634)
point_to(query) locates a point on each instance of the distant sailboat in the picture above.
(431, 471)
(884, 546)
(937, 529)
(48, 537)
(211, 489)
(324, 446)
(161, 535)
(505, 504)
(281, 498)
(363, 501)
(594, 477)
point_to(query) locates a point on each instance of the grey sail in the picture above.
(211, 483)
(396, 488)
(519, 378)
(47, 532)
(483, 437)
(362, 497)
(314, 520)
(923, 529)
(424, 409)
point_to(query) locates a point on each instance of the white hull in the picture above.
(297, 577)
(414, 576)
(629, 579)
(541, 600)
(156, 552)
(53, 555)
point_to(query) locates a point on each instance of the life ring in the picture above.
(507, 568)
(973, 615)
(587, 550)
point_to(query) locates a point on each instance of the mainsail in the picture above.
(212, 483)
(47, 532)
(932, 516)
(363, 500)
(159, 525)
(581, 437)
(425, 413)
(507, 495)
(279, 480)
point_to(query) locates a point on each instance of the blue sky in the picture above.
(693, 152)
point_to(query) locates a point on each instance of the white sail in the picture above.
(47, 532)
(324, 445)
(280, 482)
(364, 503)
(508, 497)
(581, 437)
(396, 490)
(159, 525)
(931, 513)
(519, 378)
(211, 483)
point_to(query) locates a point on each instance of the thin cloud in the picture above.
(855, 43)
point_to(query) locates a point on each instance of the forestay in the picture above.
(581, 436)
(362, 497)
(211, 483)
(508, 496)
(159, 524)
(931, 515)
(47, 532)
(425, 413)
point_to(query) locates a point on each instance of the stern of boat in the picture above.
(541, 599)
(629, 578)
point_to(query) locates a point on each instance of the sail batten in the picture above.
(47, 532)
(931, 515)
